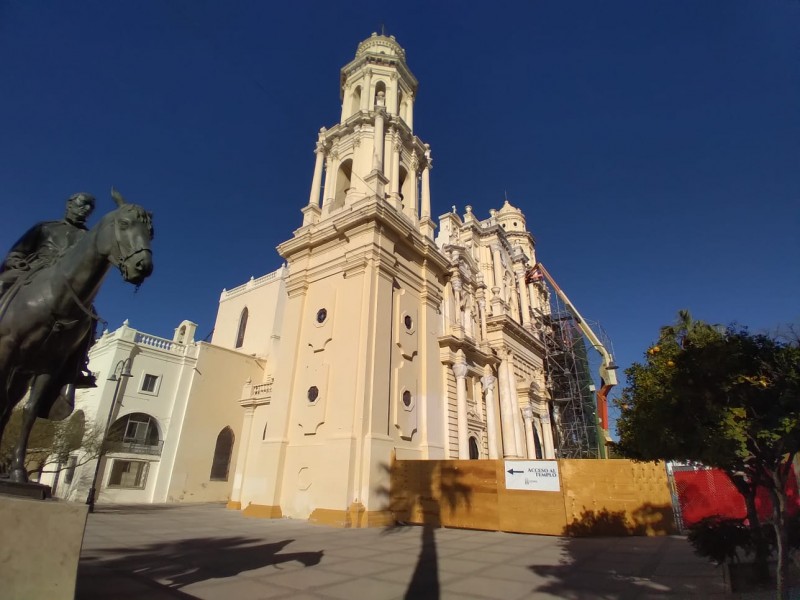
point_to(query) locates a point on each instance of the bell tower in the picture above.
(357, 377)
(373, 151)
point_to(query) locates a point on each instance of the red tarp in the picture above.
(709, 492)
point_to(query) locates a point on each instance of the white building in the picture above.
(174, 431)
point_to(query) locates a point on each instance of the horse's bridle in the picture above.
(121, 262)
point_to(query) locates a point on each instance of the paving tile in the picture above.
(234, 588)
(372, 589)
(488, 587)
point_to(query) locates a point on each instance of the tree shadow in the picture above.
(416, 496)
(643, 533)
(648, 519)
(175, 565)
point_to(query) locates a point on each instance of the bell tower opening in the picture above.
(343, 182)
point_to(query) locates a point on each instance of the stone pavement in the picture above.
(162, 552)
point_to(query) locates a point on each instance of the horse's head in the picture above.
(132, 232)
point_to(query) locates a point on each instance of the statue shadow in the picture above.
(175, 565)
(417, 497)
(616, 554)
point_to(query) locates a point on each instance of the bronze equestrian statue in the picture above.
(48, 283)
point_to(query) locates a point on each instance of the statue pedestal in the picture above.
(41, 547)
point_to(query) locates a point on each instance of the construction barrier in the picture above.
(564, 497)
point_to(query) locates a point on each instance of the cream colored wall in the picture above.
(264, 299)
(212, 405)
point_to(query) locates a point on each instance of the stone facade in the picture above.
(380, 340)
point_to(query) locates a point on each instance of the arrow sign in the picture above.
(532, 475)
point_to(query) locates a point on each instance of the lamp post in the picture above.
(124, 369)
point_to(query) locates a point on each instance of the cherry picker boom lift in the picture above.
(607, 370)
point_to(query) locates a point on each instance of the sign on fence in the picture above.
(534, 475)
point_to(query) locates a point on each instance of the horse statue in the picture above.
(47, 319)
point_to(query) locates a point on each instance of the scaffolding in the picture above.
(573, 409)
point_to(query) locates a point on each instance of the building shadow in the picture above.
(176, 565)
(418, 495)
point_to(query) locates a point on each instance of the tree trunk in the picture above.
(778, 493)
(748, 490)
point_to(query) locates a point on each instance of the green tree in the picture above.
(51, 443)
(727, 398)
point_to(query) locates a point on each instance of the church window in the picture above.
(407, 398)
(380, 92)
(322, 314)
(474, 453)
(355, 100)
(408, 322)
(342, 182)
(222, 455)
(242, 327)
(313, 394)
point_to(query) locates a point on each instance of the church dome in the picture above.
(510, 218)
(381, 44)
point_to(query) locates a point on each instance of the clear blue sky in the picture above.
(654, 146)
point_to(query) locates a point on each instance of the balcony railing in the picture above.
(134, 447)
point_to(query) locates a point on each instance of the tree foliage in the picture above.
(722, 396)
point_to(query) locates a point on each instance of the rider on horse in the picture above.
(41, 246)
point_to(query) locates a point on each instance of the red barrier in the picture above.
(709, 492)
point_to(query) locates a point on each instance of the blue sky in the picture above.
(654, 146)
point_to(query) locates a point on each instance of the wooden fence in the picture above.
(595, 497)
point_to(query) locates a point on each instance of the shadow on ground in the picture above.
(431, 489)
(176, 565)
(589, 547)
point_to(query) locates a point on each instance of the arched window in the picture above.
(222, 455)
(380, 92)
(242, 327)
(474, 453)
(355, 100)
(136, 432)
(342, 182)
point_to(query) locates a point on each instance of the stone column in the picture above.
(489, 385)
(395, 170)
(313, 197)
(519, 271)
(366, 92)
(377, 150)
(527, 417)
(547, 436)
(241, 460)
(460, 371)
(411, 203)
(426, 187)
(512, 383)
(497, 288)
(507, 412)
(327, 192)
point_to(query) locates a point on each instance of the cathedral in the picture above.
(384, 335)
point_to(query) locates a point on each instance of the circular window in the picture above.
(515, 223)
(407, 398)
(313, 394)
(322, 314)
(409, 322)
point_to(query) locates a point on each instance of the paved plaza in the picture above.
(205, 551)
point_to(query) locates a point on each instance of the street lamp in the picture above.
(124, 369)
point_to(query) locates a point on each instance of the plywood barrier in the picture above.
(595, 497)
